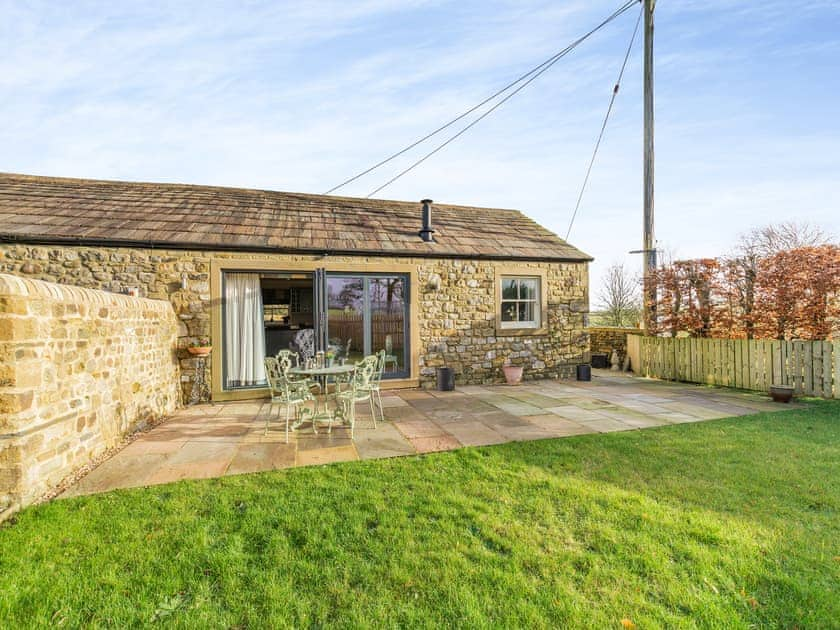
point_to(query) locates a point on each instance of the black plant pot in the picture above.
(781, 393)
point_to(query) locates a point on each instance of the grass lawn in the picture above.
(730, 523)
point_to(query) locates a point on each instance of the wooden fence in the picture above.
(812, 367)
(351, 326)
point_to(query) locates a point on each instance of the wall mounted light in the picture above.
(184, 281)
(434, 282)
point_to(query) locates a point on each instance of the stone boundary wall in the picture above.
(605, 339)
(79, 368)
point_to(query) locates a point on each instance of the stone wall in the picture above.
(79, 369)
(604, 340)
(181, 278)
(456, 321)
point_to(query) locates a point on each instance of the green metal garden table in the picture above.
(322, 374)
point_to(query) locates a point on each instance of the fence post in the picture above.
(836, 352)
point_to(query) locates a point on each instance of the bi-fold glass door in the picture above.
(353, 315)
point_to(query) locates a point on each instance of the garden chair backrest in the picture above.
(287, 360)
(275, 376)
(365, 372)
(282, 388)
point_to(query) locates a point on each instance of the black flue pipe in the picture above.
(427, 232)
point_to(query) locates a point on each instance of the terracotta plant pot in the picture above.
(781, 393)
(200, 351)
(513, 374)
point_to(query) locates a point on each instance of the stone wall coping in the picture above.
(15, 286)
(637, 331)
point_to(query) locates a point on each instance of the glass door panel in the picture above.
(386, 297)
(366, 314)
(346, 317)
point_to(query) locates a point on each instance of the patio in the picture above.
(227, 439)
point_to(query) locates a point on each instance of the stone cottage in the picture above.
(257, 271)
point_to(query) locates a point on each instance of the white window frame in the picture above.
(536, 302)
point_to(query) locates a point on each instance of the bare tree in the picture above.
(780, 237)
(619, 297)
(760, 243)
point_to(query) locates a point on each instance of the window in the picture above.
(520, 304)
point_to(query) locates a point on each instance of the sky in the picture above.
(299, 96)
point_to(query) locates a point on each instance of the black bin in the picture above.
(599, 360)
(584, 372)
(445, 379)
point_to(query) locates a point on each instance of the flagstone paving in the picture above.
(229, 438)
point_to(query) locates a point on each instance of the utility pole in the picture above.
(648, 239)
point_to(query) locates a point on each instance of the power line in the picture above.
(536, 75)
(604, 124)
(550, 61)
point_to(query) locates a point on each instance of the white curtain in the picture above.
(244, 330)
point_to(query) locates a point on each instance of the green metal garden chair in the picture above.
(288, 359)
(358, 390)
(374, 386)
(294, 395)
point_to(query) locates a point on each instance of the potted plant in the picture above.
(781, 393)
(329, 357)
(200, 347)
(513, 373)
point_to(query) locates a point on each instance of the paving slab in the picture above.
(502, 419)
(385, 441)
(419, 428)
(606, 425)
(250, 458)
(517, 408)
(446, 416)
(474, 433)
(130, 471)
(404, 413)
(535, 399)
(475, 390)
(523, 433)
(576, 414)
(198, 452)
(311, 441)
(449, 396)
(392, 400)
(414, 394)
(675, 417)
(151, 447)
(700, 412)
(435, 444)
(559, 427)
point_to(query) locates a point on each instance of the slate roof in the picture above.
(51, 209)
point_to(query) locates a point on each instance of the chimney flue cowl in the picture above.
(427, 232)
